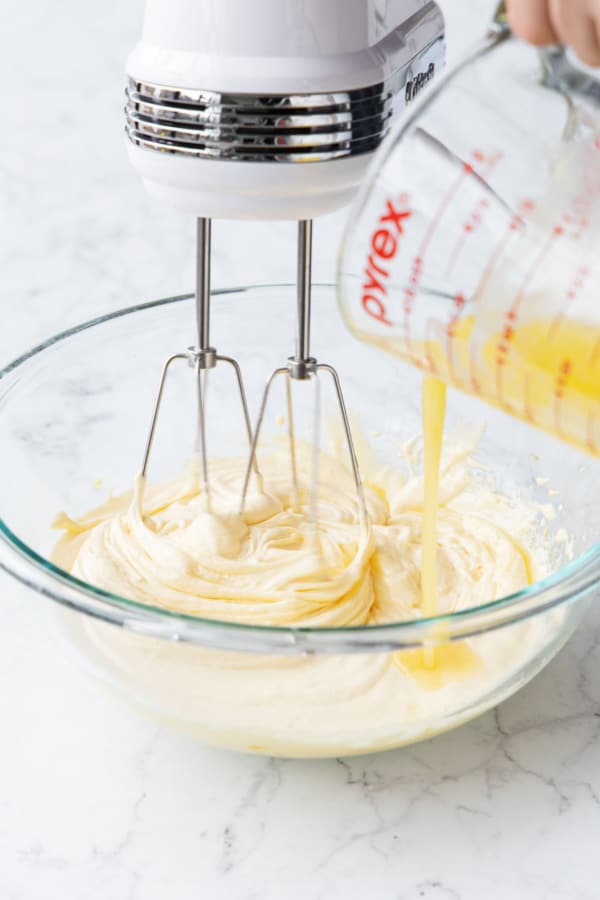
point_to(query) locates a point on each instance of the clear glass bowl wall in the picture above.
(76, 411)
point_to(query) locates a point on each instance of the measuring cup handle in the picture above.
(563, 74)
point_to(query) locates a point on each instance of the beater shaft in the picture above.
(203, 251)
(205, 355)
(301, 367)
(304, 283)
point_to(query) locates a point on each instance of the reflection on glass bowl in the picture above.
(74, 413)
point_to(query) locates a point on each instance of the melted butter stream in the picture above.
(432, 665)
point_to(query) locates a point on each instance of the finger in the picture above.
(591, 55)
(530, 20)
(576, 28)
(589, 52)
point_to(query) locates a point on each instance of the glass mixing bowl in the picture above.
(74, 415)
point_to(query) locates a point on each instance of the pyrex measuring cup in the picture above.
(472, 250)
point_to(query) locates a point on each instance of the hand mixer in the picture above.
(269, 110)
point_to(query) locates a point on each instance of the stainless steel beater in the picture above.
(202, 357)
(302, 367)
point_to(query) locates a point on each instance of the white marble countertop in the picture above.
(98, 802)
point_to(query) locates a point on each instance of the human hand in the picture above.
(575, 23)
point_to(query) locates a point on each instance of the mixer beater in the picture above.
(202, 357)
(302, 366)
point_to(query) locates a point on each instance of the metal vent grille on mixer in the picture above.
(254, 128)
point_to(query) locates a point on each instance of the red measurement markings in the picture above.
(515, 224)
(576, 217)
(430, 339)
(471, 225)
(562, 382)
(458, 306)
(476, 215)
(581, 275)
(503, 346)
(473, 373)
(417, 263)
(528, 407)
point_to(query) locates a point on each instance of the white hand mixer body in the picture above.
(266, 83)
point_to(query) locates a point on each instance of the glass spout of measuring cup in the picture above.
(472, 250)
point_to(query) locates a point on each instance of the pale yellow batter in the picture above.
(271, 566)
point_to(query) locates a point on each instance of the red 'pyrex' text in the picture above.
(383, 247)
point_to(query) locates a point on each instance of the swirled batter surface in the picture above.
(274, 565)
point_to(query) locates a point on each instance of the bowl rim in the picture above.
(570, 582)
